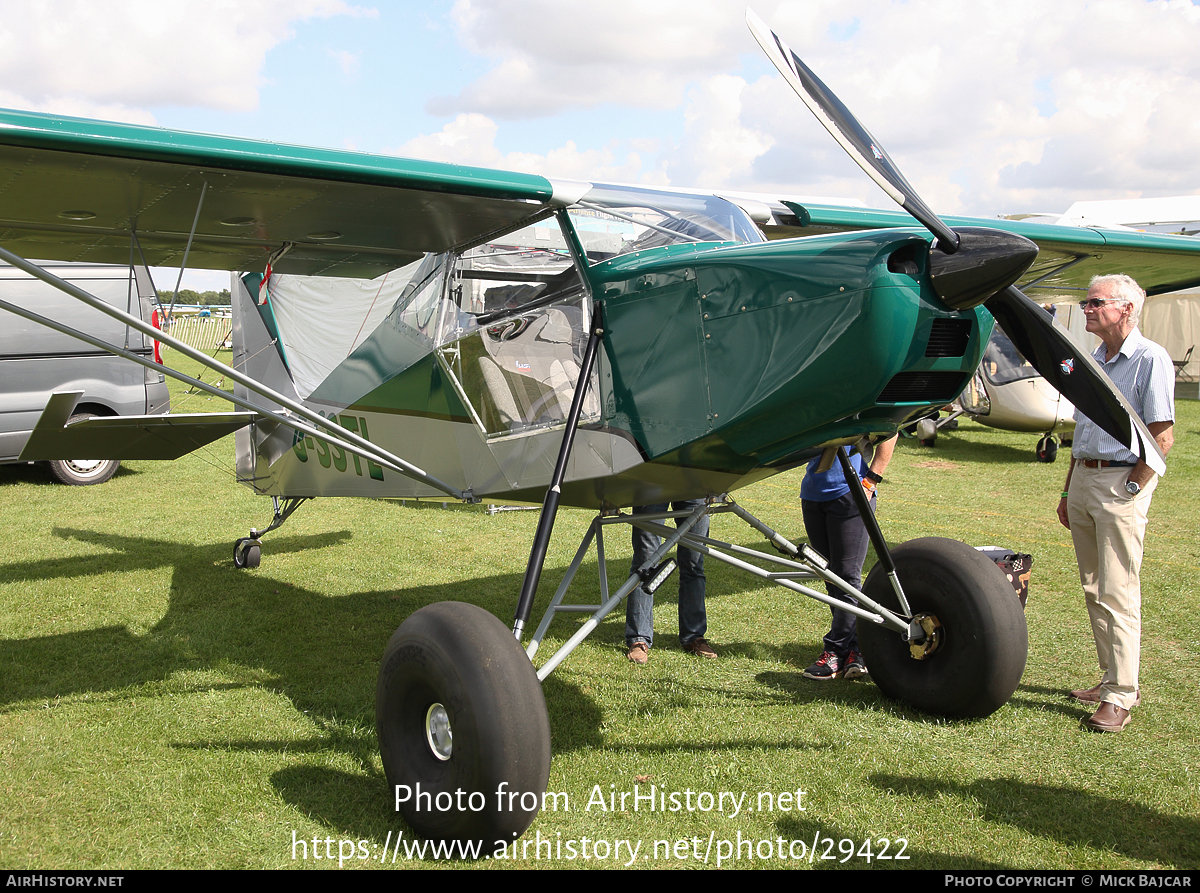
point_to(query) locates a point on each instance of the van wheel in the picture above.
(82, 472)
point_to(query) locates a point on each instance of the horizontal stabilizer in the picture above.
(124, 437)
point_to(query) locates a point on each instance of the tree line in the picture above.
(188, 296)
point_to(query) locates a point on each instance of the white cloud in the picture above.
(553, 55)
(348, 62)
(471, 139)
(718, 149)
(991, 107)
(79, 107)
(116, 59)
(987, 106)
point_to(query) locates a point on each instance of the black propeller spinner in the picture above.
(974, 265)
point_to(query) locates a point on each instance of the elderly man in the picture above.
(1107, 496)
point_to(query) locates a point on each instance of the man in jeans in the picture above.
(639, 608)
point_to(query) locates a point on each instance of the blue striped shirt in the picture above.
(1142, 370)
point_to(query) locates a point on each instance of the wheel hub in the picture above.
(437, 732)
(84, 466)
(932, 639)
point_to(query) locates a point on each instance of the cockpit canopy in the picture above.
(615, 220)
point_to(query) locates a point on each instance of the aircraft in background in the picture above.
(1007, 393)
(424, 329)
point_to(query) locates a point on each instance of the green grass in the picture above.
(160, 709)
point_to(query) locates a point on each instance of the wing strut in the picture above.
(332, 432)
(541, 539)
(188, 247)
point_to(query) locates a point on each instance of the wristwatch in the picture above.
(1133, 488)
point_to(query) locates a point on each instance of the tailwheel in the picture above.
(970, 656)
(1047, 448)
(463, 729)
(247, 552)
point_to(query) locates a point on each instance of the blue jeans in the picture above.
(639, 608)
(836, 530)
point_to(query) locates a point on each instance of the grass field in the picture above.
(159, 708)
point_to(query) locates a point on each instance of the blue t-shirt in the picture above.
(830, 485)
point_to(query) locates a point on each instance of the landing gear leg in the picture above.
(247, 551)
(462, 723)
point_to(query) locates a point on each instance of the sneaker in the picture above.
(639, 653)
(855, 668)
(826, 669)
(700, 648)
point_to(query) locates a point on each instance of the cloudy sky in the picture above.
(988, 107)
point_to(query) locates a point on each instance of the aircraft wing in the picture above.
(124, 437)
(1068, 256)
(76, 190)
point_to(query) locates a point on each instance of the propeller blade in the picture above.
(984, 271)
(1073, 373)
(855, 139)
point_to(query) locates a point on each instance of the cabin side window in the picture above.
(514, 331)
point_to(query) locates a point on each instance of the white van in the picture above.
(36, 362)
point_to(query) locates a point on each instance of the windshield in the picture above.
(613, 220)
(1002, 362)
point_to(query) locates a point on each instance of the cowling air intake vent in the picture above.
(948, 338)
(923, 387)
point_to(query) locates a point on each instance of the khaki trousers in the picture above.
(1109, 530)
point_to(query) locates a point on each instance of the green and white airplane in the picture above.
(424, 329)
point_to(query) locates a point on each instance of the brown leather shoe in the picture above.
(1092, 696)
(700, 648)
(639, 653)
(1086, 695)
(1109, 718)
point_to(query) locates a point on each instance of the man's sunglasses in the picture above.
(1097, 303)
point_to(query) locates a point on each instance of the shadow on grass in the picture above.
(321, 652)
(351, 803)
(39, 473)
(1026, 698)
(827, 846)
(1069, 815)
(977, 446)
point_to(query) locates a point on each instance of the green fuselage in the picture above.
(722, 364)
(732, 363)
